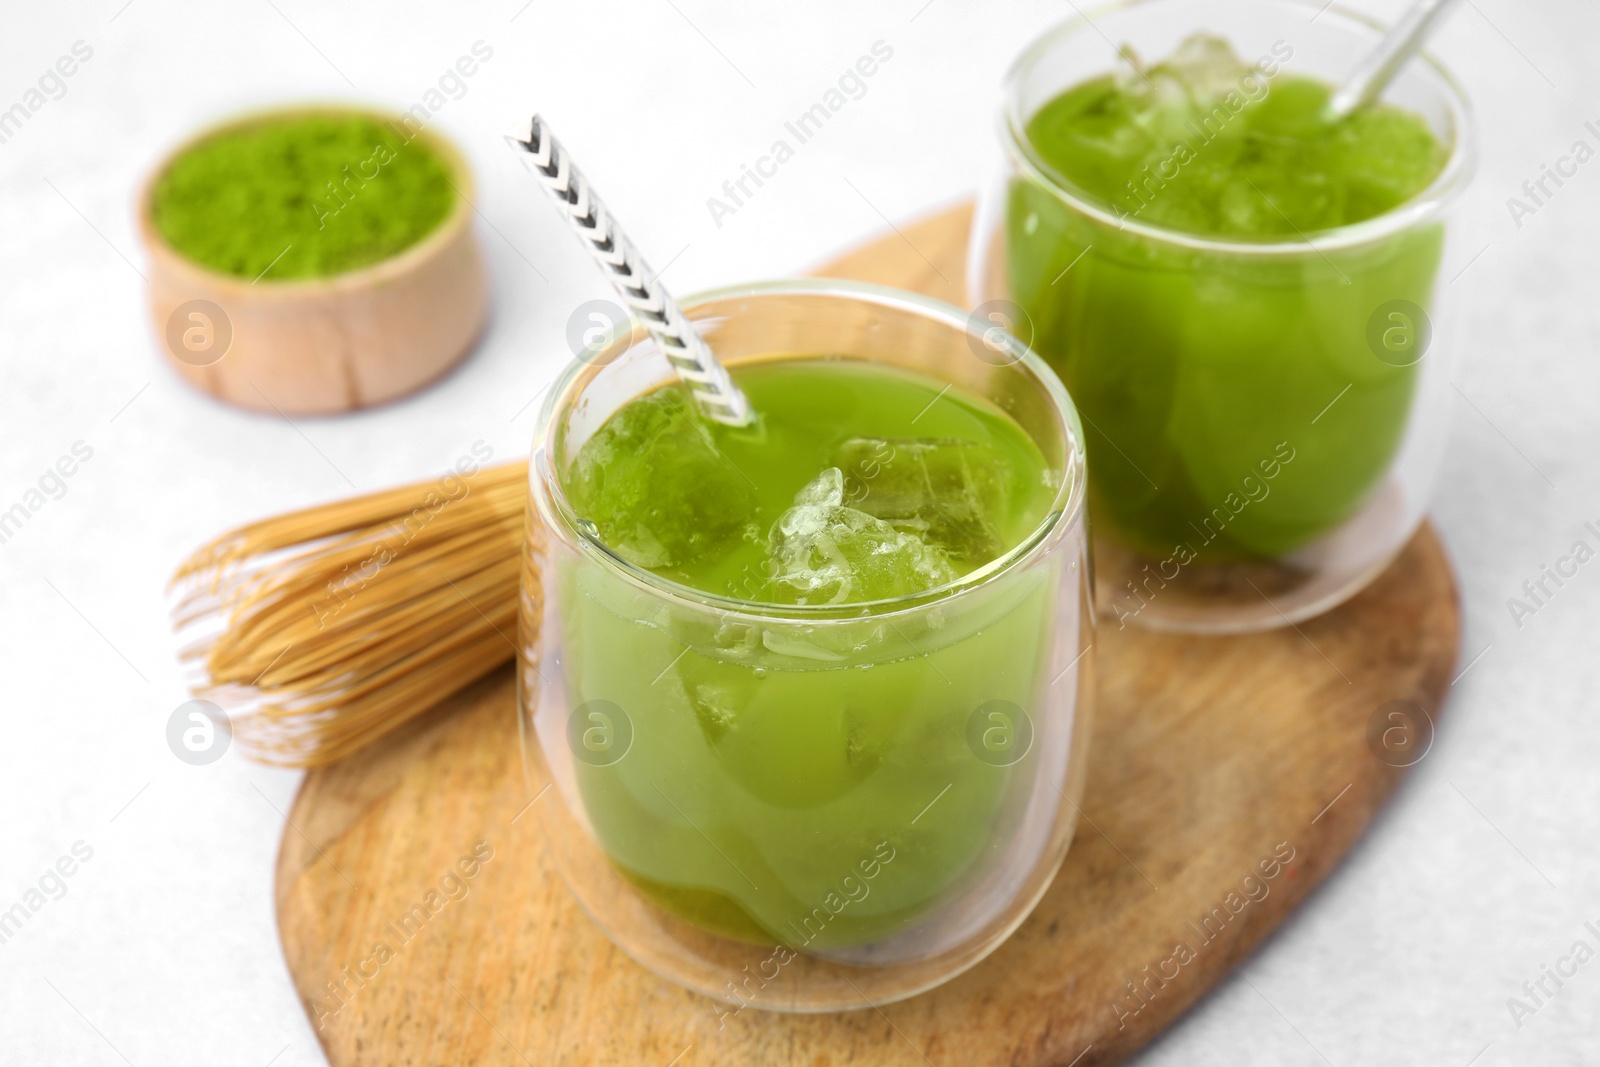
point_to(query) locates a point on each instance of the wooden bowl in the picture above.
(316, 346)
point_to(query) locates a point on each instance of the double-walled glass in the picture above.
(1265, 417)
(808, 808)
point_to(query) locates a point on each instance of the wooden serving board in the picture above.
(1228, 777)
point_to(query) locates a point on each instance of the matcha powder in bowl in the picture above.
(301, 195)
(313, 259)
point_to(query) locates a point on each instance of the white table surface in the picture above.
(163, 950)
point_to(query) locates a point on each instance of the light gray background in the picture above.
(163, 950)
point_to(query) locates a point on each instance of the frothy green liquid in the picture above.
(1199, 370)
(778, 774)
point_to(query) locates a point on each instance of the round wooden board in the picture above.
(1213, 760)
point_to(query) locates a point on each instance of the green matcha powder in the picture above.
(301, 196)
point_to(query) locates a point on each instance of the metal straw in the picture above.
(708, 381)
(1398, 45)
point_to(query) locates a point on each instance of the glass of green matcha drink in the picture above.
(811, 697)
(1248, 301)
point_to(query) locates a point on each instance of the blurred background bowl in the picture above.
(322, 345)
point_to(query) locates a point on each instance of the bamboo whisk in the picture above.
(324, 629)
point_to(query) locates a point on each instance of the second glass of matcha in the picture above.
(1249, 302)
(809, 700)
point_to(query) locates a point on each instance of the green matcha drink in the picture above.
(1205, 374)
(772, 784)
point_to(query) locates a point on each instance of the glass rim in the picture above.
(1066, 509)
(1444, 188)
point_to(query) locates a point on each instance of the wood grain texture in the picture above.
(1213, 759)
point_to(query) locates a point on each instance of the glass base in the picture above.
(1135, 589)
(737, 973)
(740, 970)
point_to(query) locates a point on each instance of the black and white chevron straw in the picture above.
(708, 381)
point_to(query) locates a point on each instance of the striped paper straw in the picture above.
(708, 381)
